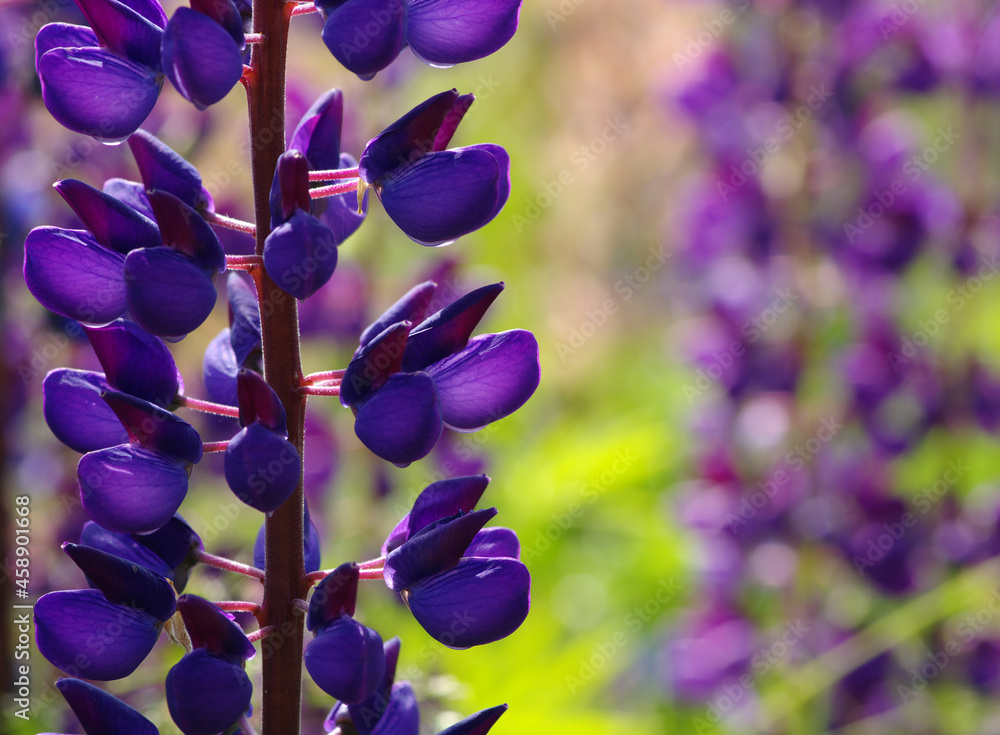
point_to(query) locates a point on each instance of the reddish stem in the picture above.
(286, 581)
(370, 573)
(244, 262)
(230, 223)
(303, 9)
(221, 562)
(333, 190)
(328, 375)
(207, 406)
(262, 633)
(320, 390)
(337, 173)
(253, 37)
(210, 447)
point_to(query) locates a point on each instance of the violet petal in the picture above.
(477, 602)
(401, 422)
(489, 379)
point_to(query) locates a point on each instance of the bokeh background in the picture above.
(758, 243)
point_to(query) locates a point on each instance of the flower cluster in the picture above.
(142, 271)
(800, 446)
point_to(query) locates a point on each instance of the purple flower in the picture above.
(170, 551)
(103, 633)
(367, 35)
(104, 80)
(262, 467)
(345, 659)
(390, 710)
(161, 273)
(134, 362)
(463, 584)
(300, 254)
(432, 194)
(136, 487)
(101, 713)
(208, 690)
(407, 383)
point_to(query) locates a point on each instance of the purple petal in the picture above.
(438, 500)
(459, 30)
(168, 294)
(63, 35)
(200, 58)
(477, 602)
(434, 550)
(123, 31)
(135, 362)
(155, 428)
(207, 694)
(83, 634)
(373, 365)
(219, 369)
(318, 133)
(491, 543)
(170, 551)
(444, 195)
(477, 724)
(100, 712)
(114, 224)
(447, 331)
(75, 412)
(411, 136)
(226, 14)
(301, 255)
(125, 583)
(131, 193)
(122, 545)
(184, 230)
(446, 498)
(334, 597)
(365, 36)
(70, 274)
(289, 187)
(346, 660)
(395, 714)
(163, 168)
(93, 92)
(489, 379)
(402, 421)
(244, 317)
(177, 544)
(210, 628)
(130, 489)
(410, 308)
(259, 402)
(262, 468)
(151, 10)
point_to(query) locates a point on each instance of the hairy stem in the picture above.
(285, 579)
